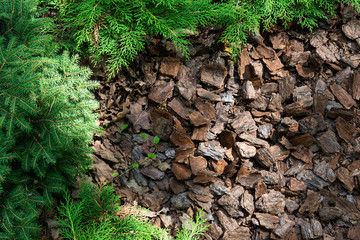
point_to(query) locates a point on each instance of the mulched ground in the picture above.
(268, 146)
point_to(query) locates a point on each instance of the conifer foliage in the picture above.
(46, 123)
(119, 29)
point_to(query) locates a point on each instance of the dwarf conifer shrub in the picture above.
(46, 120)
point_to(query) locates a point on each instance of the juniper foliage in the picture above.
(117, 30)
(120, 29)
(94, 217)
(46, 121)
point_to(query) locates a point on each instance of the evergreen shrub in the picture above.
(46, 119)
(117, 30)
(97, 215)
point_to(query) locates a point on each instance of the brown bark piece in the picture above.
(200, 133)
(280, 153)
(303, 96)
(275, 103)
(320, 103)
(176, 186)
(204, 177)
(179, 137)
(286, 86)
(345, 130)
(215, 231)
(279, 41)
(303, 154)
(340, 112)
(296, 185)
(344, 177)
(257, 142)
(249, 90)
(181, 171)
(273, 64)
(318, 38)
(265, 158)
(248, 180)
(266, 52)
(312, 202)
(244, 66)
(212, 149)
(356, 86)
(260, 189)
(326, 54)
(344, 98)
(329, 143)
(152, 173)
(269, 88)
(207, 109)
(219, 166)
(183, 153)
(296, 109)
(161, 123)
(298, 58)
(208, 95)
(239, 233)
(170, 66)
(213, 74)
(354, 165)
(179, 108)
(197, 119)
(272, 202)
(311, 230)
(354, 232)
(304, 71)
(227, 138)
(306, 140)
(244, 123)
(162, 91)
(197, 164)
(229, 224)
(245, 150)
(291, 124)
(186, 84)
(139, 117)
(267, 220)
(352, 29)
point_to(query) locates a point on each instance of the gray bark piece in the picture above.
(152, 173)
(244, 123)
(311, 180)
(229, 224)
(272, 202)
(212, 149)
(264, 157)
(323, 170)
(328, 142)
(249, 90)
(247, 202)
(303, 96)
(231, 205)
(246, 150)
(352, 29)
(181, 201)
(311, 230)
(265, 130)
